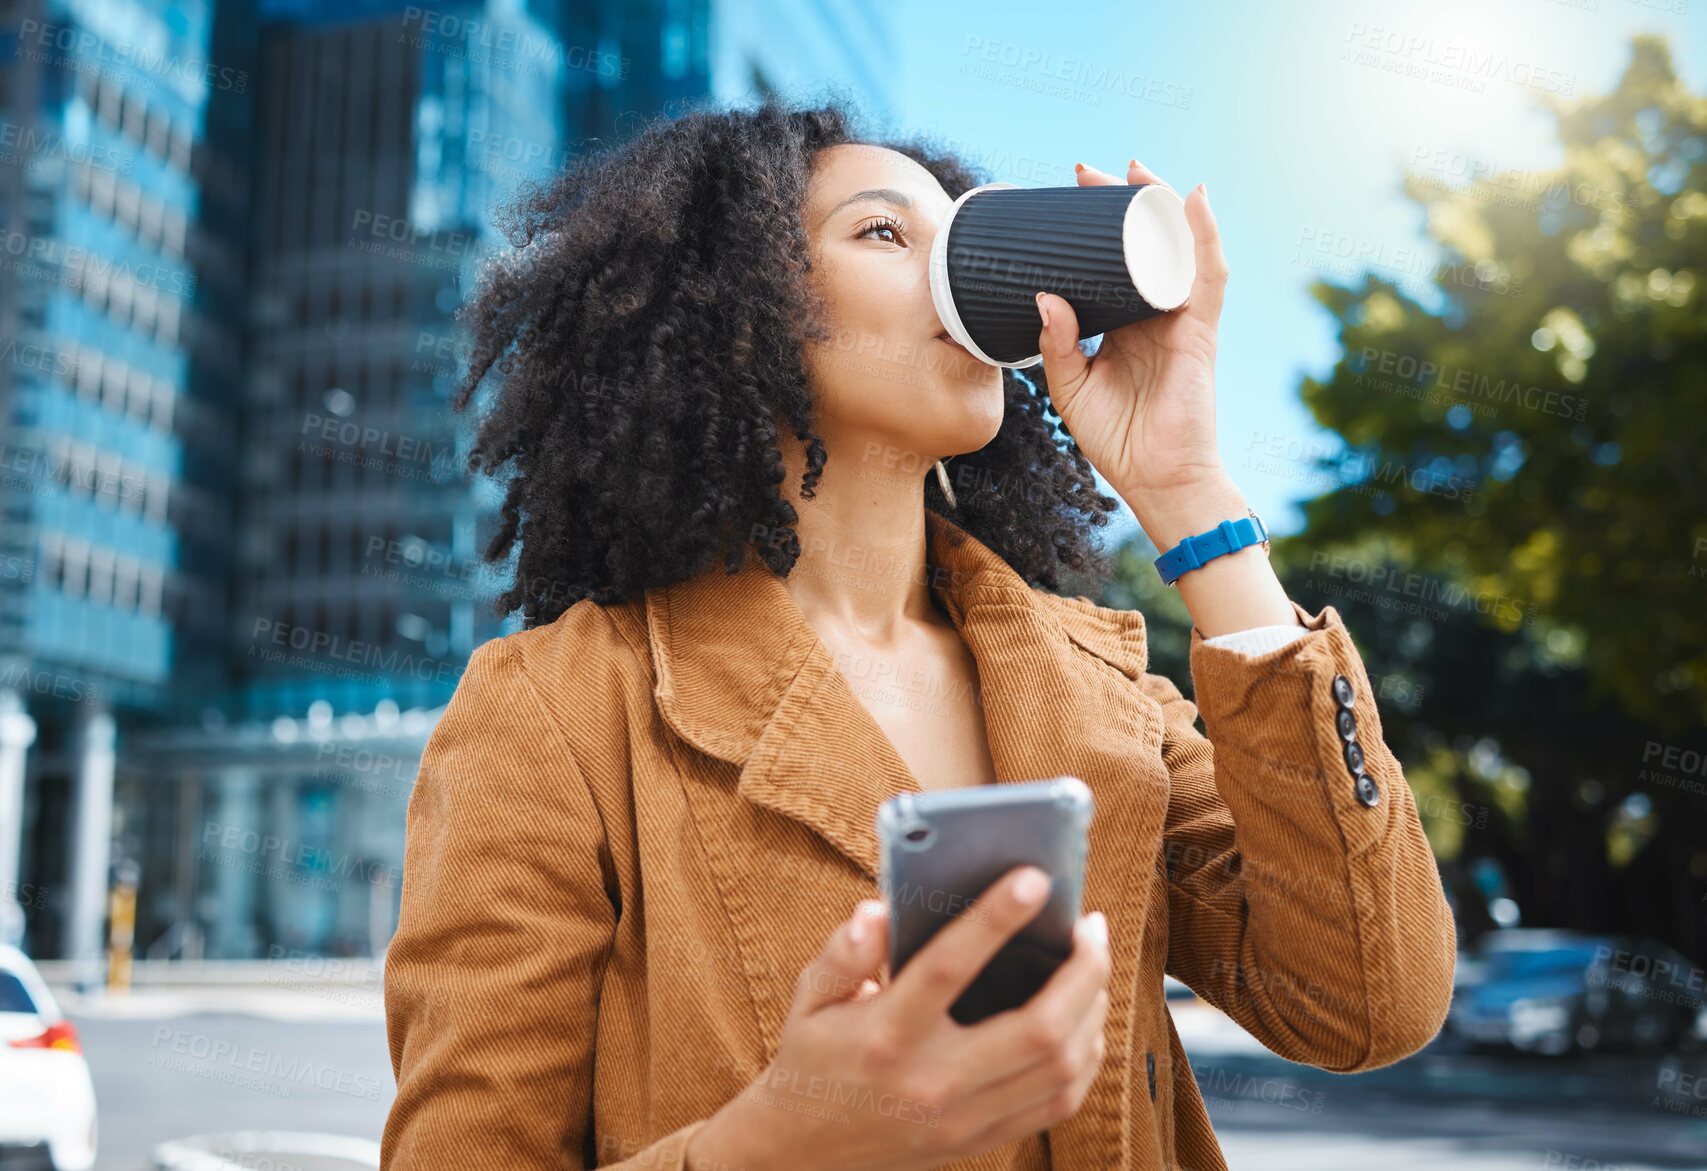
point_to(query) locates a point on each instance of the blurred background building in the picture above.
(115, 499)
(239, 556)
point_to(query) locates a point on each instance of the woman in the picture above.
(638, 924)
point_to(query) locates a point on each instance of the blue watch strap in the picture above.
(1227, 537)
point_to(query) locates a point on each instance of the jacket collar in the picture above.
(741, 675)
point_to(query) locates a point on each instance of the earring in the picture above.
(942, 482)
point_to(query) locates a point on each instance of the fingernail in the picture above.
(1077, 167)
(1042, 310)
(1031, 886)
(856, 927)
(1096, 923)
(1132, 163)
(1204, 187)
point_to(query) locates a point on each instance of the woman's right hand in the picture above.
(867, 1078)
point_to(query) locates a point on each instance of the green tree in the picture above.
(1516, 530)
(1543, 428)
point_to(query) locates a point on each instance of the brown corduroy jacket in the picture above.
(634, 826)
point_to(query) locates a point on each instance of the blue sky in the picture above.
(1301, 117)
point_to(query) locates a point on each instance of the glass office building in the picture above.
(793, 47)
(239, 556)
(382, 141)
(384, 138)
(113, 481)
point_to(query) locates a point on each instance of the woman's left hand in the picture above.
(1143, 409)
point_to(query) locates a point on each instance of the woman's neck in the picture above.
(863, 551)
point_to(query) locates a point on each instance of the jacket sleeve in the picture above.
(1311, 916)
(492, 979)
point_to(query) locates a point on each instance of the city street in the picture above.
(394, 478)
(171, 1078)
(175, 1074)
(1443, 1111)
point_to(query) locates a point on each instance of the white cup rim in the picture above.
(1161, 255)
(942, 297)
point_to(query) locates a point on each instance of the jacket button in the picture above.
(1354, 757)
(1150, 1069)
(1347, 724)
(1367, 791)
(1344, 692)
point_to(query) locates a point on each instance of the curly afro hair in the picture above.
(648, 331)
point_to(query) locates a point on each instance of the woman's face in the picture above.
(893, 393)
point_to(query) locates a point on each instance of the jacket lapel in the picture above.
(742, 676)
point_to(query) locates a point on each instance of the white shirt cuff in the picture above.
(1258, 640)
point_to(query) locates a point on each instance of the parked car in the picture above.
(1560, 992)
(47, 1099)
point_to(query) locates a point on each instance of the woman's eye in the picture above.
(890, 226)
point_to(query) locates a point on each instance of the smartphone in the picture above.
(940, 850)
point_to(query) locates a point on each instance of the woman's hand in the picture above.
(1143, 409)
(1143, 412)
(868, 1078)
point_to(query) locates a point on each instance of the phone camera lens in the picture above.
(917, 836)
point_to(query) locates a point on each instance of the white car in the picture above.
(47, 1099)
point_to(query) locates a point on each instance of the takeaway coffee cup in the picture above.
(1117, 253)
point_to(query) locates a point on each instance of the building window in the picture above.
(673, 49)
(74, 574)
(89, 373)
(59, 469)
(164, 398)
(103, 187)
(149, 591)
(174, 231)
(118, 300)
(150, 224)
(134, 118)
(159, 135)
(111, 103)
(169, 321)
(127, 207)
(126, 577)
(159, 493)
(52, 561)
(138, 404)
(181, 148)
(144, 306)
(101, 575)
(113, 386)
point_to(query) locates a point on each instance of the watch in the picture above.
(1227, 537)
